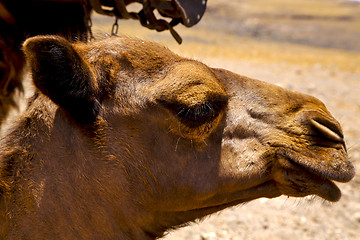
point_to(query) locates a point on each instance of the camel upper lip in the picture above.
(324, 151)
(329, 163)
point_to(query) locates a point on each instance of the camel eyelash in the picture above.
(195, 116)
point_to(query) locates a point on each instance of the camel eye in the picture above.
(197, 115)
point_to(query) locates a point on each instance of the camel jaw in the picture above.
(268, 189)
(286, 178)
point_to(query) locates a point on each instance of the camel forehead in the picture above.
(135, 49)
(187, 82)
(149, 66)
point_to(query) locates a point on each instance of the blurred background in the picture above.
(311, 46)
(272, 30)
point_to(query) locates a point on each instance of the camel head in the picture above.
(169, 139)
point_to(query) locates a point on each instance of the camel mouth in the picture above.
(312, 168)
(301, 183)
(300, 172)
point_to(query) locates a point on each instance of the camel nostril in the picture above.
(328, 130)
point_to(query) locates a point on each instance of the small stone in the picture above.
(208, 236)
(357, 216)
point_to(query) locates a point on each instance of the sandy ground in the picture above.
(311, 46)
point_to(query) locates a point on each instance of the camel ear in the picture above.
(61, 74)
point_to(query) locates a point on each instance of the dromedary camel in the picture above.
(124, 139)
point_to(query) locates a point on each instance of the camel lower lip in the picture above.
(331, 163)
(329, 191)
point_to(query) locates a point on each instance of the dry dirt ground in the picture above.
(311, 46)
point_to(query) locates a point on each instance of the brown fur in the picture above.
(162, 140)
